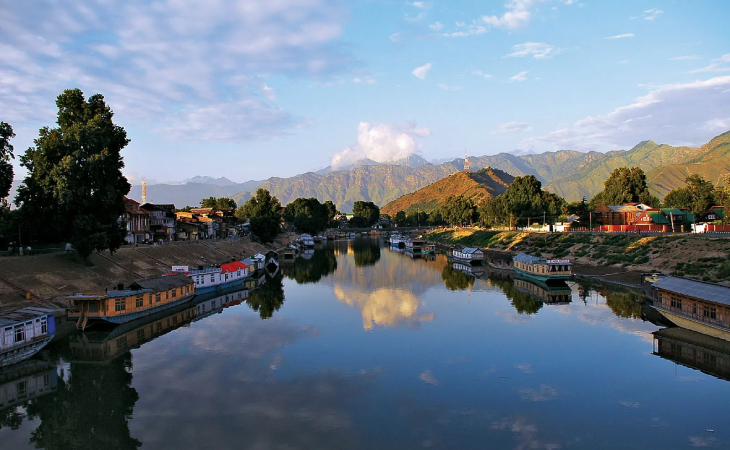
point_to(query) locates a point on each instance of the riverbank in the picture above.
(617, 258)
(53, 276)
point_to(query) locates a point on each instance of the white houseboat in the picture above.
(306, 240)
(216, 278)
(541, 268)
(414, 245)
(397, 240)
(468, 255)
(24, 332)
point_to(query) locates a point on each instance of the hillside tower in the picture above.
(467, 165)
(144, 192)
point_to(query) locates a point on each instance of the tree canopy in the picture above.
(74, 190)
(6, 154)
(458, 210)
(524, 201)
(365, 214)
(264, 213)
(218, 203)
(625, 185)
(308, 215)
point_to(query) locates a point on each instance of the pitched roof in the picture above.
(528, 259)
(23, 314)
(698, 289)
(233, 266)
(469, 250)
(163, 283)
(657, 217)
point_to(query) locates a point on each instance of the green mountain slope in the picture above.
(478, 186)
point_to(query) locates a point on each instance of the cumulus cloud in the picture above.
(621, 36)
(512, 127)
(681, 114)
(651, 14)
(522, 76)
(381, 143)
(421, 72)
(538, 50)
(165, 64)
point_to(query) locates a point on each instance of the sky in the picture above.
(250, 89)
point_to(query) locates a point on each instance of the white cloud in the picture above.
(539, 50)
(422, 5)
(517, 15)
(621, 36)
(482, 74)
(685, 57)
(381, 143)
(717, 65)
(421, 72)
(624, 61)
(651, 14)
(418, 17)
(512, 127)
(446, 87)
(724, 58)
(436, 26)
(395, 37)
(680, 114)
(163, 64)
(519, 77)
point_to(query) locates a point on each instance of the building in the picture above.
(162, 221)
(626, 214)
(137, 220)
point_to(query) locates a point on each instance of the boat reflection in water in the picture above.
(554, 292)
(472, 271)
(697, 351)
(25, 381)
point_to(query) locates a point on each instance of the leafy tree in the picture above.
(6, 154)
(703, 193)
(365, 214)
(75, 189)
(435, 218)
(308, 215)
(331, 213)
(218, 203)
(417, 218)
(580, 209)
(264, 213)
(625, 185)
(400, 219)
(458, 210)
(680, 197)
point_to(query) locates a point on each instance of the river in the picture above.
(357, 346)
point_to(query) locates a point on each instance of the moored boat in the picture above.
(216, 278)
(139, 299)
(468, 255)
(414, 245)
(306, 240)
(25, 332)
(397, 240)
(428, 249)
(541, 268)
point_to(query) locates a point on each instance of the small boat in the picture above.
(468, 255)
(428, 249)
(25, 332)
(319, 239)
(306, 240)
(542, 269)
(214, 279)
(290, 252)
(414, 245)
(397, 240)
(138, 300)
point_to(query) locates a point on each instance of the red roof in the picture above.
(233, 266)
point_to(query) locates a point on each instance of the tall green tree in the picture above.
(401, 219)
(679, 197)
(218, 203)
(365, 214)
(264, 213)
(625, 185)
(307, 215)
(75, 189)
(458, 210)
(6, 154)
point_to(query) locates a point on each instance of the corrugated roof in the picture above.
(657, 217)
(164, 283)
(528, 259)
(23, 314)
(697, 289)
(233, 266)
(469, 250)
(625, 208)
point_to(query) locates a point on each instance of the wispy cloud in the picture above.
(482, 74)
(538, 50)
(517, 14)
(681, 114)
(436, 26)
(716, 65)
(624, 61)
(512, 127)
(651, 14)
(395, 37)
(522, 76)
(685, 57)
(621, 36)
(418, 17)
(422, 72)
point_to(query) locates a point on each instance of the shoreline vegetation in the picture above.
(616, 258)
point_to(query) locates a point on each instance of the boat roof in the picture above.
(469, 250)
(23, 314)
(524, 258)
(162, 283)
(233, 266)
(698, 289)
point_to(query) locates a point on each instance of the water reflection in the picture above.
(523, 302)
(21, 383)
(268, 297)
(694, 350)
(384, 307)
(455, 279)
(320, 263)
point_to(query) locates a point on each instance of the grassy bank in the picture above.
(696, 256)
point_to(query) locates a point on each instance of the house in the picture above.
(137, 220)
(224, 220)
(162, 221)
(626, 214)
(714, 214)
(652, 220)
(680, 218)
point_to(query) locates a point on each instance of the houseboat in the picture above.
(554, 292)
(26, 381)
(414, 245)
(694, 350)
(397, 240)
(428, 249)
(289, 253)
(468, 255)
(319, 239)
(541, 268)
(24, 332)
(306, 241)
(472, 271)
(696, 305)
(206, 305)
(126, 304)
(215, 279)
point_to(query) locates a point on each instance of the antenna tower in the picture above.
(144, 192)
(467, 165)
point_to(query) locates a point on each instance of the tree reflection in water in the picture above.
(456, 280)
(624, 305)
(366, 252)
(267, 298)
(322, 263)
(524, 303)
(90, 410)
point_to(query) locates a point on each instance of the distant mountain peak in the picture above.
(222, 181)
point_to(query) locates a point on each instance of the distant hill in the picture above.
(190, 194)
(478, 186)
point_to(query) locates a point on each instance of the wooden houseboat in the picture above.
(138, 300)
(24, 332)
(306, 241)
(215, 279)
(468, 255)
(541, 268)
(696, 305)
(414, 245)
(428, 249)
(472, 271)
(499, 260)
(694, 350)
(554, 292)
(396, 240)
(25, 381)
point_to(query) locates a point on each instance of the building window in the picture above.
(174, 293)
(120, 305)
(713, 313)
(19, 333)
(21, 389)
(706, 311)
(694, 308)
(139, 302)
(679, 303)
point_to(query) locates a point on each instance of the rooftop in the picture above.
(698, 289)
(21, 315)
(528, 259)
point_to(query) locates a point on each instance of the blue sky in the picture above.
(250, 89)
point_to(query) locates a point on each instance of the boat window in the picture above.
(174, 293)
(19, 333)
(44, 323)
(120, 305)
(139, 302)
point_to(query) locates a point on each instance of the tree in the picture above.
(218, 203)
(458, 210)
(680, 197)
(435, 218)
(400, 219)
(580, 209)
(264, 213)
(624, 185)
(75, 189)
(331, 213)
(703, 193)
(307, 215)
(6, 154)
(365, 214)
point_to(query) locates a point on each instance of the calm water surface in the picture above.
(365, 348)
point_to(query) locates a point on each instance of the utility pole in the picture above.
(543, 219)
(590, 220)
(671, 217)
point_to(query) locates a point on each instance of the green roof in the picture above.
(687, 216)
(657, 217)
(719, 212)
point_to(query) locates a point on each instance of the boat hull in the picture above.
(123, 318)
(542, 277)
(694, 325)
(23, 352)
(219, 287)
